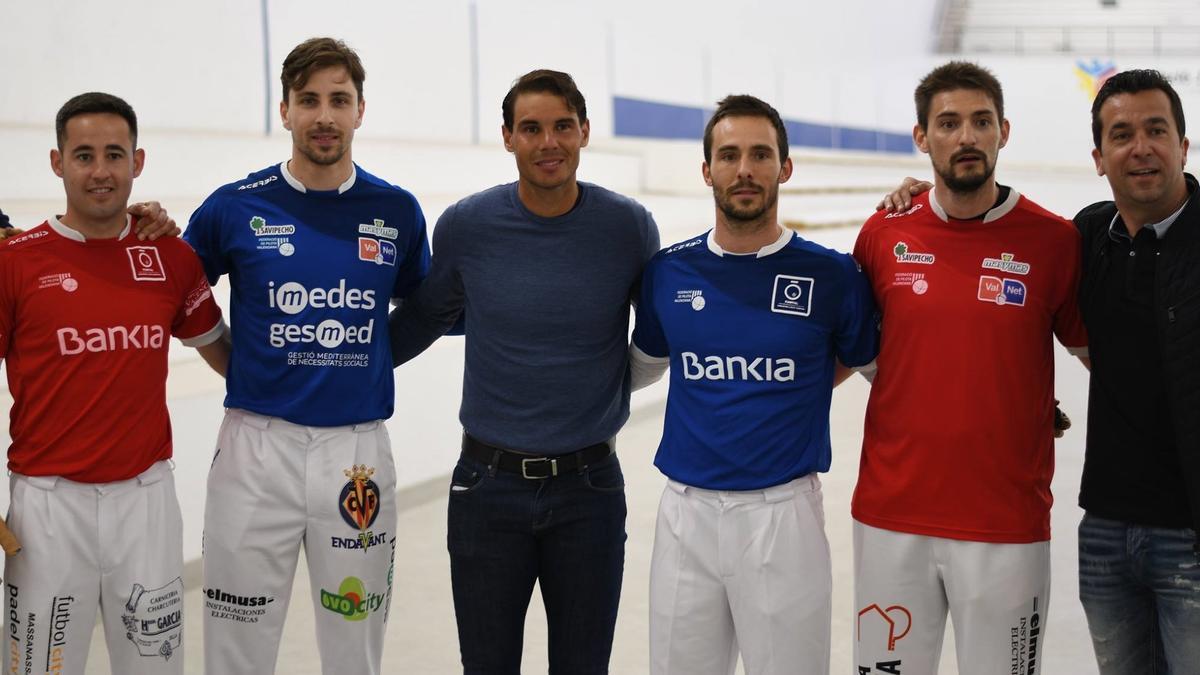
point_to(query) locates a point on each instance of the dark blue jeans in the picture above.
(1140, 588)
(567, 533)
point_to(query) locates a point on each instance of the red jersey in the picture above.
(84, 330)
(959, 439)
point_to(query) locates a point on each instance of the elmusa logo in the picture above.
(1092, 75)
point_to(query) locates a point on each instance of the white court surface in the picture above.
(422, 637)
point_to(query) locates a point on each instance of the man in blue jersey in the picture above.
(543, 270)
(753, 321)
(314, 248)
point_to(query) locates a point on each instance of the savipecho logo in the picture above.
(904, 256)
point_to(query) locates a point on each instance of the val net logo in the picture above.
(1093, 74)
(1001, 291)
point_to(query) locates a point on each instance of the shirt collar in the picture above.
(994, 213)
(773, 247)
(75, 235)
(295, 182)
(1117, 230)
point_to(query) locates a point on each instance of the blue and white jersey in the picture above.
(311, 274)
(751, 341)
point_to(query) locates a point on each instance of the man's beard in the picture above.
(744, 218)
(970, 182)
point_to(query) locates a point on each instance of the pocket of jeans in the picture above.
(605, 477)
(465, 479)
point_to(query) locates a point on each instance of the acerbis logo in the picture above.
(259, 183)
(756, 368)
(292, 297)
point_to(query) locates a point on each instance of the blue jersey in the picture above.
(311, 273)
(751, 341)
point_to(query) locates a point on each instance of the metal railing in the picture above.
(1089, 40)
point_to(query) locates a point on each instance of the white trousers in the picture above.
(998, 596)
(274, 486)
(744, 571)
(116, 548)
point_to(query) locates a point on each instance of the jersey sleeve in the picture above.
(648, 336)
(857, 340)
(198, 321)
(432, 309)
(415, 266)
(8, 305)
(1068, 321)
(205, 234)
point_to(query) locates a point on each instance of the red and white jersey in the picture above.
(959, 439)
(84, 331)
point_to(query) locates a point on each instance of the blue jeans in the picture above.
(567, 533)
(1140, 588)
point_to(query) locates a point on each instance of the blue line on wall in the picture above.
(650, 119)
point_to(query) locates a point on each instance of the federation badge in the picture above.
(359, 499)
(792, 295)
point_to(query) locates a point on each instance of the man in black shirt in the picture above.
(1139, 560)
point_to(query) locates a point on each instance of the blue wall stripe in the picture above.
(649, 119)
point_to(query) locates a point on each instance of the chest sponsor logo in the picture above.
(904, 255)
(154, 619)
(260, 228)
(748, 368)
(234, 607)
(292, 298)
(378, 229)
(358, 501)
(146, 263)
(901, 214)
(1001, 291)
(352, 600)
(72, 341)
(882, 627)
(792, 295)
(378, 251)
(1005, 263)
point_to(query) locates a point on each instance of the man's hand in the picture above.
(901, 198)
(153, 221)
(6, 232)
(1061, 421)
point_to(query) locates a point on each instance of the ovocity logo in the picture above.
(292, 298)
(352, 600)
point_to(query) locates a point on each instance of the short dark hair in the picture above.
(744, 105)
(545, 82)
(956, 75)
(94, 102)
(1132, 82)
(316, 54)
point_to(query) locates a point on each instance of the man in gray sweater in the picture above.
(542, 271)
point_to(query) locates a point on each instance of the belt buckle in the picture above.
(526, 462)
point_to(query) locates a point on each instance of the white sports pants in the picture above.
(997, 595)
(273, 486)
(744, 571)
(113, 547)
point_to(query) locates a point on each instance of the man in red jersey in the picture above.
(952, 506)
(86, 313)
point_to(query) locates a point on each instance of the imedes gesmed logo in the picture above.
(293, 298)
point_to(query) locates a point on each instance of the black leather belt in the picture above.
(534, 467)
